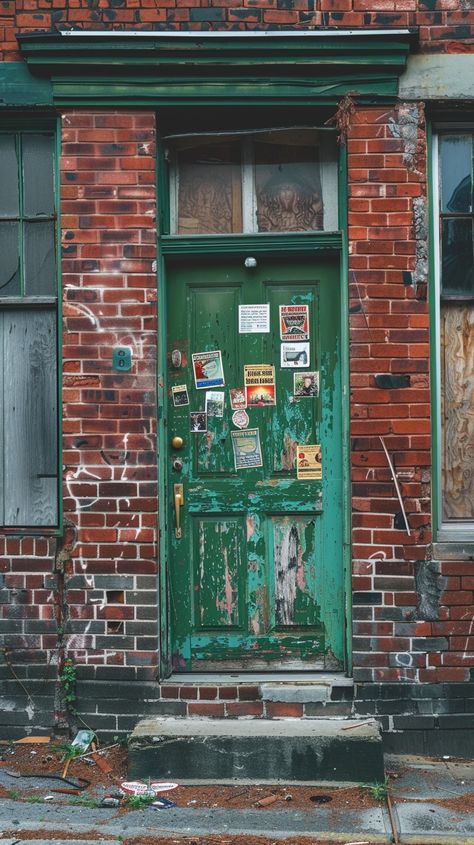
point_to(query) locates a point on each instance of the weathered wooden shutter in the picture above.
(28, 424)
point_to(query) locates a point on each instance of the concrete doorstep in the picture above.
(285, 750)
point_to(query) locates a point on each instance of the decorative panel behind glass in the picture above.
(271, 181)
(288, 184)
(209, 189)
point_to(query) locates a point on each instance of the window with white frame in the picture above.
(270, 181)
(455, 151)
(28, 332)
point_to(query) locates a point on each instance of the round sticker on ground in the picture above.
(240, 419)
(134, 787)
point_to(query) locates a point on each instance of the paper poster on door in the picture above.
(306, 384)
(294, 322)
(247, 449)
(215, 403)
(294, 355)
(254, 319)
(208, 370)
(237, 398)
(180, 395)
(309, 463)
(259, 380)
(197, 421)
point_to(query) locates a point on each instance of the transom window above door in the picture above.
(270, 181)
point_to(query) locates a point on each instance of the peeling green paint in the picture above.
(257, 577)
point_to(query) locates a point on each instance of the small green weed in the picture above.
(34, 799)
(85, 801)
(13, 794)
(68, 751)
(378, 790)
(136, 802)
(68, 681)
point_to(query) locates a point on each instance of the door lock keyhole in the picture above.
(178, 464)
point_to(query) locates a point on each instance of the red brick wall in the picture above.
(389, 329)
(109, 282)
(445, 25)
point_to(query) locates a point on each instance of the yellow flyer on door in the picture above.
(309, 466)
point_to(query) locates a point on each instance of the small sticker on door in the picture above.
(180, 395)
(247, 449)
(215, 403)
(240, 419)
(306, 384)
(237, 398)
(259, 382)
(294, 355)
(294, 322)
(254, 319)
(197, 421)
(309, 465)
(208, 370)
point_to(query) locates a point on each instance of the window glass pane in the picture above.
(457, 403)
(209, 189)
(40, 276)
(9, 261)
(456, 173)
(30, 417)
(457, 257)
(9, 203)
(38, 175)
(288, 183)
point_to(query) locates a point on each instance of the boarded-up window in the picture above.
(457, 326)
(28, 332)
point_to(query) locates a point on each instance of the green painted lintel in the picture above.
(19, 88)
(158, 70)
(303, 243)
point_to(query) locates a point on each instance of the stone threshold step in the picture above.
(289, 750)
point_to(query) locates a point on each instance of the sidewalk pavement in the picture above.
(416, 786)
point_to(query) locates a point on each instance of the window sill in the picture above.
(454, 550)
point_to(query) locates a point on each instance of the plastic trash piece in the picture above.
(83, 739)
(110, 802)
(269, 799)
(163, 804)
(139, 787)
(134, 787)
(36, 740)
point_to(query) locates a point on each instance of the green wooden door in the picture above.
(256, 577)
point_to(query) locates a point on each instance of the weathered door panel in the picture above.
(256, 577)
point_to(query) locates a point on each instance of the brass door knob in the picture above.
(177, 442)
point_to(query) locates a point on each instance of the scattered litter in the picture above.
(36, 740)
(110, 802)
(66, 791)
(320, 799)
(163, 804)
(48, 798)
(83, 739)
(101, 762)
(288, 797)
(351, 727)
(269, 799)
(76, 783)
(139, 787)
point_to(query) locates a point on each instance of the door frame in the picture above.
(175, 248)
